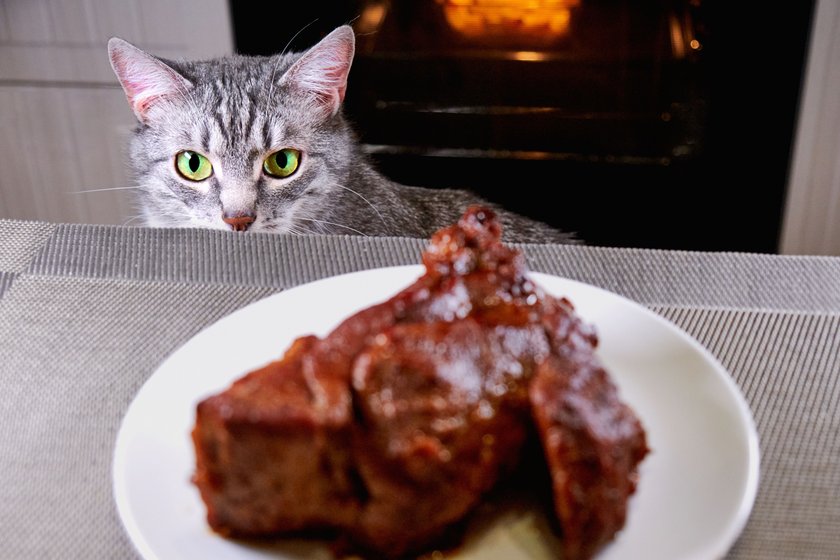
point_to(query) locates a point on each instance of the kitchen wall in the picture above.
(812, 214)
(64, 121)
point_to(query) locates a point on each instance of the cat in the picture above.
(261, 144)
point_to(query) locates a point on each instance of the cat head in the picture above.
(239, 142)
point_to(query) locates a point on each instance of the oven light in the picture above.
(480, 18)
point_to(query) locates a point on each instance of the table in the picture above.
(88, 312)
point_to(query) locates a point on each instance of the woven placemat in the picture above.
(88, 312)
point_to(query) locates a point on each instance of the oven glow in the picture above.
(481, 18)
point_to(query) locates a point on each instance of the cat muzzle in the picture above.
(239, 222)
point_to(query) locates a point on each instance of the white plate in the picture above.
(696, 487)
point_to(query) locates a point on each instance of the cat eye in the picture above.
(193, 166)
(282, 163)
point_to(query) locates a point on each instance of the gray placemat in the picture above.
(20, 241)
(752, 281)
(87, 314)
(6, 279)
(75, 352)
(788, 367)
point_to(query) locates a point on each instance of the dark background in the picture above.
(694, 155)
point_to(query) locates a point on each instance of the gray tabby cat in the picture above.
(260, 143)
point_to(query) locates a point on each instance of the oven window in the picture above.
(633, 124)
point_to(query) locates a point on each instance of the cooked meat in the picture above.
(592, 443)
(391, 429)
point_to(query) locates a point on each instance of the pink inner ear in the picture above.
(339, 71)
(135, 86)
(145, 79)
(324, 69)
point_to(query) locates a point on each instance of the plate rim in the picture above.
(716, 549)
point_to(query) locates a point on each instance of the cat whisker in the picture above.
(103, 190)
(133, 218)
(293, 229)
(301, 30)
(363, 198)
(274, 68)
(299, 231)
(331, 224)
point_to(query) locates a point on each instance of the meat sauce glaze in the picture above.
(393, 427)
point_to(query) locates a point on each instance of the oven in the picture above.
(631, 123)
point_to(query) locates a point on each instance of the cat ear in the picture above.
(322, 71)
(145, 79)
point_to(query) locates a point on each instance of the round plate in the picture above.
(696, 487)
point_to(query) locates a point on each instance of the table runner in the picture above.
(88, 312)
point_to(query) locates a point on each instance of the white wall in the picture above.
(64, 120)
(812, 214)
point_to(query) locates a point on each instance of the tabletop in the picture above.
(87, 313)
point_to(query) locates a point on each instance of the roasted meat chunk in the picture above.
(391, 429)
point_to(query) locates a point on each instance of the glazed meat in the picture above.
(391, 429)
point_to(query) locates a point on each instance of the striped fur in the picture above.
(237, 110)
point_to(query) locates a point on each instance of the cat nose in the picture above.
(239, 222)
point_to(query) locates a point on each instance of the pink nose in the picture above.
(239, 222)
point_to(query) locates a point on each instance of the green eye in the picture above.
(193, 166)
(282, 163)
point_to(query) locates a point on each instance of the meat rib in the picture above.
(393, 427)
